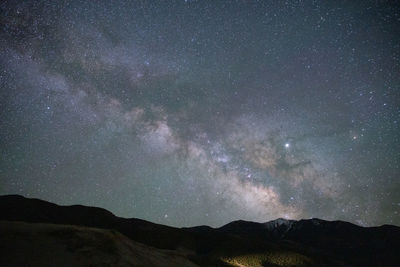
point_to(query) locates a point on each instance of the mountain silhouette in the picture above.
(280, 242)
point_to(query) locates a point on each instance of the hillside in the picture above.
(38, 244)
(280, 242)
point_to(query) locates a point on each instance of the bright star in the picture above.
(287, 145)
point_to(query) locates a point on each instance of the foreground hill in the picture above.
(276, 243)
(37, 244)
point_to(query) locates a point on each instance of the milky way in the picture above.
(202, 112)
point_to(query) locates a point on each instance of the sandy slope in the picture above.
(37, 244)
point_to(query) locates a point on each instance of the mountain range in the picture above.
(34, 232)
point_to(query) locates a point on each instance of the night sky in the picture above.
(203, 112)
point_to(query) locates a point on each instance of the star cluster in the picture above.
(203, 112)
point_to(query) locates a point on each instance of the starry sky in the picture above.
(203, 112)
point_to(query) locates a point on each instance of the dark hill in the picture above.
(280, 242)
